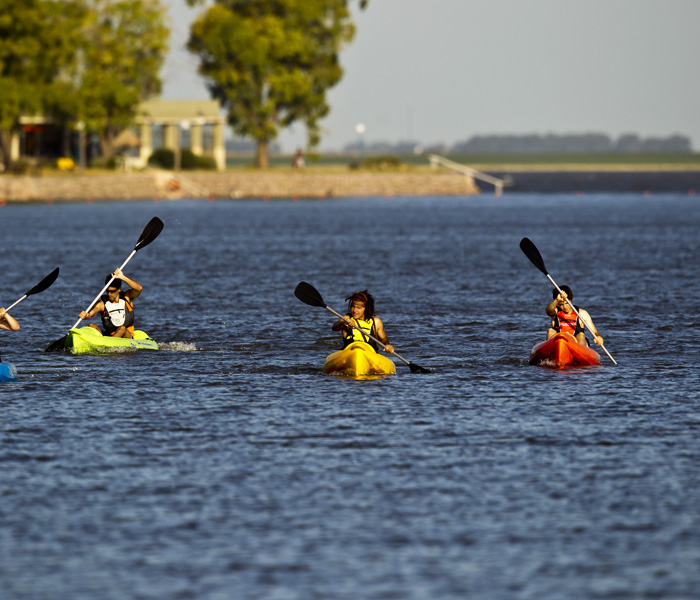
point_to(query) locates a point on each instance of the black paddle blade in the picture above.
(57, 346)
(417, 369)
(149, 233)
(44, 283)
(308, 294)
(533, 254)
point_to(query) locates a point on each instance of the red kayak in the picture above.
(562, 350)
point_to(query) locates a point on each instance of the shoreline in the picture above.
(230, 184)
(324, 183)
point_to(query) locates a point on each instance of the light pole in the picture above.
(80, 126)
(360, 130)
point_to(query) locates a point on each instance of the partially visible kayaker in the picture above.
(564, 318)
(361, 313)
(7, 321)
(116, 308)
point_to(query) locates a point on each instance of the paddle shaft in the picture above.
(593, 333)
(365, 333)
(89, 308)
(16, 303)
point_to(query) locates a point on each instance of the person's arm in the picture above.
(98, 308)
(597, 338)
(551, 308)
(135, 286)
(381, 335)
(7, 321)
(341, 324)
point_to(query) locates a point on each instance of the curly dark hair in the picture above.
(367, 298)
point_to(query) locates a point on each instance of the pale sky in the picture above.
(442, 71)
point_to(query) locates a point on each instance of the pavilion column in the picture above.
(170, 141)
(196, 140)
(14, 146)
(219, 147)
(146, 142)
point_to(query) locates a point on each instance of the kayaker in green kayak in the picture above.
(7, 321)
(361, 314)
(116, 308)
(564, 318)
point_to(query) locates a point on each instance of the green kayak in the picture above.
(87, 340)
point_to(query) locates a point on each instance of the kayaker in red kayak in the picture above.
(7, 321)
(564, 318)
(116, 307)
(361, 313)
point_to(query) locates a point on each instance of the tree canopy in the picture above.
(79, 60)
(33, 52)
(270, 62)
(125, 43)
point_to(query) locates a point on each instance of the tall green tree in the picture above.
(125, 43)
(270, 62)
(89, 61)
(34, 52)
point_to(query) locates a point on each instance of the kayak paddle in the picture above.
(308, 294)
(531, 251)
(45, 283)
(149, 233)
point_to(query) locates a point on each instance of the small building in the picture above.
(194, 124)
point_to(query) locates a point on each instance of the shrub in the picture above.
(163, 158)
(206, 162)
(381, 163)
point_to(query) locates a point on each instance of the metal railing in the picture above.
(436, 160)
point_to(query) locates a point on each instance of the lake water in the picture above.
(227, 466)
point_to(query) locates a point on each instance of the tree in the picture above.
(125, 44)
(270, 62)
(98, 75)
(34, 52)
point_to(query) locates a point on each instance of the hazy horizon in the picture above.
(443, 71)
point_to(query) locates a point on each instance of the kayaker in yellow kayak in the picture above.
(7, 321)
(564, 318)
(116, 308)
(361, 314)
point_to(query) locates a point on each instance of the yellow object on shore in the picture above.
(65, 164)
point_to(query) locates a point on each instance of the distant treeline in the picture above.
(588, 143)
(243, 146)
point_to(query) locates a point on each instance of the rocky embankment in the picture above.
(231, 184)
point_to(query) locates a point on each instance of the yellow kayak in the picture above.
(357, 360)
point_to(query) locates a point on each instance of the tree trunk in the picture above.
(5, 146)
(261, 159)
(106, 145)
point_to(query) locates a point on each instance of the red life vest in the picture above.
(567, 323)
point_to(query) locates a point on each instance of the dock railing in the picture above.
(436, 161)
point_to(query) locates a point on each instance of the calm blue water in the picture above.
(227, 466)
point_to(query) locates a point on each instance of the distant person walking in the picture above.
(298, 160)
